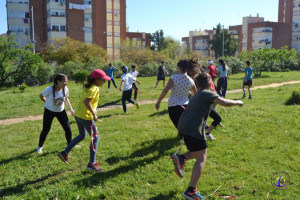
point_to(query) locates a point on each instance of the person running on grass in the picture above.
(54, 97)
(127, 81)
(180, 85)
(248, 79)
(110, 72)
(86, 116)
(222, 72)
(212, 70)
(161, 71)
(191, 128)
(134, 73)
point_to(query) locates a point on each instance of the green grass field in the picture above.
(257, 140)
(14, 104)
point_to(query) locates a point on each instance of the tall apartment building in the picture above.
(296, 25)
(285, 11)
(197, 41)
(255, 33)
(101, 22)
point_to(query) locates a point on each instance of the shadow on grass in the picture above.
(23, 156)
(21, 188)
(159, 146)
(163, 112)
(109, 103)
(171, 195)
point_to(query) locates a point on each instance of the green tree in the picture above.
(62, 50)
(15, 61)
(158, 40)
(172, 49)
(230, 43)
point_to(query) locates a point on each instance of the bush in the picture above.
(22, 87)
(69, 68)
(80, 76)
(235, 64)
(294, 99)
(44, 73)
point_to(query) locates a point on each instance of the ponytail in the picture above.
(222, 62)
(90, 82)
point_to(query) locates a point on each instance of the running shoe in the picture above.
(244, 95)
(210, 137)
(137, 105)
(250, 97)
(178, 162)
(94, 167)
(191, 196)
(64, 157)
(40, 150)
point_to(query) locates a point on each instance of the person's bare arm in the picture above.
(69, 106)
(87, 103)
(164, 92)
(42, 98)
(226, 102)
(121, 85)
(194, 90)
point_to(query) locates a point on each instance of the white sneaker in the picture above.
(40, 150)
(210, 137)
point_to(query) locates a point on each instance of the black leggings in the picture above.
(47, 121)
(215, 116)
(126, 96)
(175, 113)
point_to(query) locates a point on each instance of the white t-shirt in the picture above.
(134, 74)
(223, 73)
(180, 90)
(128, 80)
(57, 104)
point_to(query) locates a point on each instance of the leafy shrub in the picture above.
(69, 68)
(235, 64)
(294, 99)
(22, 87)
(80, 76)
(44, 73)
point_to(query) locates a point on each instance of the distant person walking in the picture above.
(222, 72)
(86, 116)
(127, 81)
(135, 73)
(161, 71)
(191, 128)
(180, 85)
(54, 97)
(110, 72)
(247, 79)
(212, 70)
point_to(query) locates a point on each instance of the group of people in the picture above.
(188, 114)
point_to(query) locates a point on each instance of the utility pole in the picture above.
(32, 24)
(223, 42)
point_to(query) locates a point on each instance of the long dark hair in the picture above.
(90, 82)
(58, 77)
(191, 66)
(222, 62)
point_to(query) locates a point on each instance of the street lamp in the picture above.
(223, 42)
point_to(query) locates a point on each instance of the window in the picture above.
(88, 30)
(55, 28)
(109, 45)
(116, 0)
(87, 17)
(117, 34)
(108, 10)
(116, 12)
(62, 28)
(117, 23)
(109, 34)
(87, 2)
(108, 22)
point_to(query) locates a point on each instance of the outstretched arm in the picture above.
(226, 102)
(164, 92)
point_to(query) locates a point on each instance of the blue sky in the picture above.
(177, 17)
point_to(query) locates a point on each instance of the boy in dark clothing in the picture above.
(191, 128)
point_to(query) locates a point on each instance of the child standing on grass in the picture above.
(191, 128)
(110, 72)
(134, 73)
(180, 85)
(248, 79)
(161, 71)
(86, 116)
(127, 81)
(222, 72)
(54, 97)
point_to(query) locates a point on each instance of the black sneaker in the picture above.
(244, 95)
(250, 97)
(64, 157)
